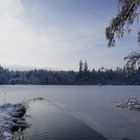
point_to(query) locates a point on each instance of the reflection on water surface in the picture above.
(47, 122)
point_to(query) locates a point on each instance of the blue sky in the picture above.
(59, 33)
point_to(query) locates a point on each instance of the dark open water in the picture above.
(47, 122)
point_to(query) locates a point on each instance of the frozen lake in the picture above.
(93, 106)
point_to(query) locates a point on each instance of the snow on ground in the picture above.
(132, 103)
(11, 119)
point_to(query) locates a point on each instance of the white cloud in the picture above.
(21, 43)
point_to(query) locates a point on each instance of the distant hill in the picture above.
(26, 68)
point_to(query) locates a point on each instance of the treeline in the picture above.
(82, 77)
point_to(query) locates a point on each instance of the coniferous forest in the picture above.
(84, 76)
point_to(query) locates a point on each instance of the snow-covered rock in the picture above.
(11, 119)
(132, 103)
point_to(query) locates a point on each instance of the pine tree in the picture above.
(80, 68)
(85, 67)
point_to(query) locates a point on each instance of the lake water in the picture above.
(77, 111)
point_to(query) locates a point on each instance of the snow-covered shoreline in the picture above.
(11, 119)
(132, 103)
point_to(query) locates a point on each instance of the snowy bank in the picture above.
(11, 119)
(132, 103)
